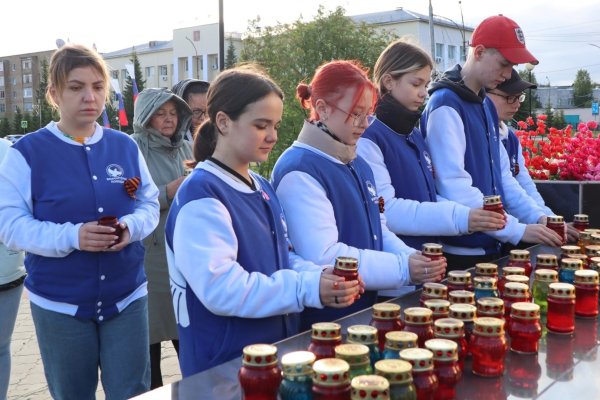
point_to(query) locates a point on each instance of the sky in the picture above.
(562, 35)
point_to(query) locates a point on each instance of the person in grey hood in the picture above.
(193, 92)
(160, 121)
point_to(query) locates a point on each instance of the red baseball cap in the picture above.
(503, 34)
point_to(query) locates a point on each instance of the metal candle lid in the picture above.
(418, 316)
(395, 371)
(486, 269)
(525, 310)
(400, 340)
(570, 249)
(331, 372)
(437, 290)
(432, 249)
(546, 275)
(363, 334)
(489, 326)
(326, 331)
(353, 353)
(370, 387)
(438, 306)
(506, 271)
(555, 219)
(386, 311)
(585, 237)
(586, 277)
(571, 264)
(442, 349)
(485, 282)
(346, 263)
(519, 255)
(561, 290)
(259, 355)
(492, 200)
(581, 218)
(464, 312)
(516, 289)
(517, 278)
(459, 277)
(297, 363)
(595, 263)
(461, 297)
(548, 260)
(592, 249)
(490, 306)
(420, 359)
(595, 239)
(592, 230)
(448, 328)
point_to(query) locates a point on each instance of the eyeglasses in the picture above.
(197, 113)
(511, 99)
(357, 119)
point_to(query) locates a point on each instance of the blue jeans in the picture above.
(73, 349)
(9, 306)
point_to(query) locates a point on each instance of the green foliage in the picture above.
(292, 52)
(582, 89)
(230, 56)
(128, 90)
(549, 111)
(5, 128)
(16, 123)
(48, 113)
(558, 120)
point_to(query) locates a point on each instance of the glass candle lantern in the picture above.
(386, 318)
(367, 335)
(488, 346)
(514, 292)
(595, 264)
(485, 286)
(260, 376)
(543, 278)
(370, 387)
(439, 308)
(520, 279)
(399, 375)
(357, 357)
(324, 337)
(490, 307)
(466, 313)
(561, 308)
(508, 271)
(459, 280)
(397, 341)
(493, 203)
(445, 366)
(424, 378)
(584, 239)
(461, 297)
(486, 269)
(331, 379)
(433, 290)
(595, 238)
(433, 251)
(297, 375)
(592, 230)
(520, 258)
(419, 320)
(568, 266)
(346, 267)
(581, 222)
(586, 293)
(592, 250)
(557, 224)
(452, 329)
(524, 328)
(546, 261)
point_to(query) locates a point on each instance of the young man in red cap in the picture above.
(461, 127)
(507, 98)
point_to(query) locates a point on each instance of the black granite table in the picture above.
(567, 367)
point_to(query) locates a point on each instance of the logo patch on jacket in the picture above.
(115, 173)
(372, 192)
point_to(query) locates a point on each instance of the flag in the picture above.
(131, 71)
(122, 114)
(105, 120)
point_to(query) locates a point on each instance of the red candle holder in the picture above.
(424, 377)
(520, 258)
(488, 346)
(557, 224)
(586, 293)
(546, 261)
(433, 290)
(324, 338)
(524, 328)
(592, 250)
(493, 203)
(433, 251)
(370, 387)
(584, 240)
(419, 320)
(559, 357)
(561, 308)
(445, 366)
(514, 292)
(486, 269)
(491, 307)
(347, 268)
(523, 374)
(461, 297)
(386, 318)
(113, 222)
(331, 380)
(581, 222)
(452, 329)
(260, 376)
(459, 280)
(508, 271)
(440, 308)
(465, 313)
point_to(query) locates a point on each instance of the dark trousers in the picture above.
(155, 372)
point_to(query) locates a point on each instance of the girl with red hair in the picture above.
(329, 196)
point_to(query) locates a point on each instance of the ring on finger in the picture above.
(336, 300)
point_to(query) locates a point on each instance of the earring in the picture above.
(324, 118)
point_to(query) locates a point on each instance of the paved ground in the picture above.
(27, 379)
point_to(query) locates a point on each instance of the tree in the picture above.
(128, 90)
(523, 111)
(582, 89)
(549, 111)
(16, 124)
(559, 121)
(47, 111)
(291, 53)
(4, 127)
(230, 56)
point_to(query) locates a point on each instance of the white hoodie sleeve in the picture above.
(411, 217)
(313, 232)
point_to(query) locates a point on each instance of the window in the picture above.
(1, 94)
(2, 107)
(463, 53)
(28, 107)
(124, 74)
(27, 93)
(439, 50)
(452, 53)
(149, 72)
(27, 78)
(114, 74)
(14, 81)
(1, 66)
(201, 63)
(186, 66)
(16, 109)
(14, 94)
(196, 36)
(1, 81)
(162, 70)
(14, 67)
(26, 63)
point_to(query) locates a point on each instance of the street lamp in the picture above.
(529, 67)
(195, 51)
